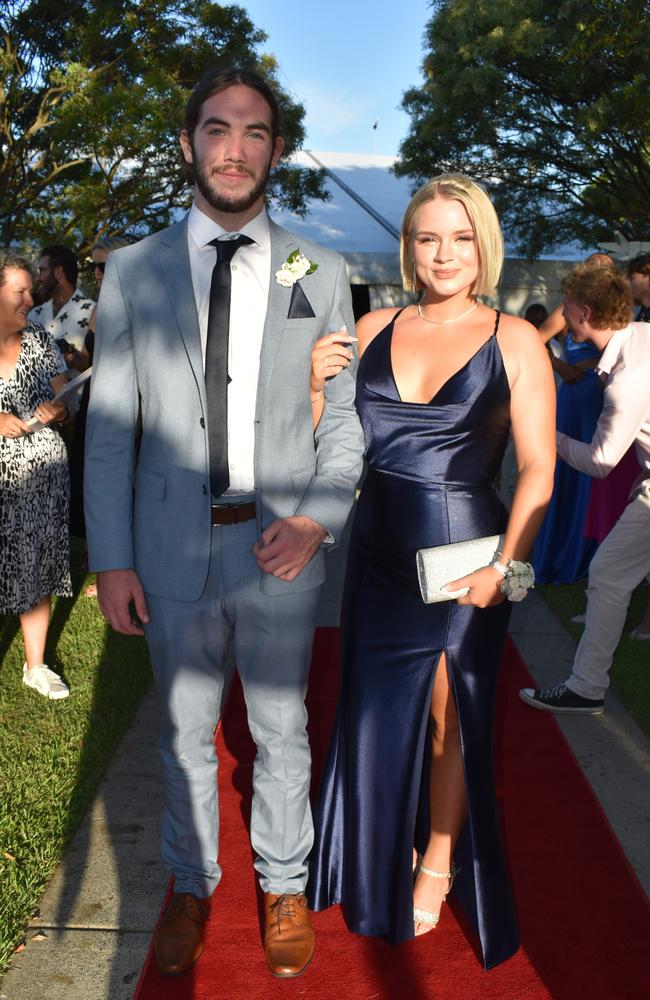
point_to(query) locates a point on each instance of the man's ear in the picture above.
(278, 147)
(186, 146)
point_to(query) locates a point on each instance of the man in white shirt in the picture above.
(64, 311)
(214, 530)
(597, 306)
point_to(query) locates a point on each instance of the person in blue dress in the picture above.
(407, 799)
(562, 553)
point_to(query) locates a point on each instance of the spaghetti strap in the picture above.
(496, 322)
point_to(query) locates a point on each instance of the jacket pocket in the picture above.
(301, 478)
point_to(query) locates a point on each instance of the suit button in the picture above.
(202, 422)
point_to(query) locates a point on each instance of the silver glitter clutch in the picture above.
(443, 563)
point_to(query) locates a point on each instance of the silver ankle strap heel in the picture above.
(426, 916)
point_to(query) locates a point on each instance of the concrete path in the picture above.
(96, 917)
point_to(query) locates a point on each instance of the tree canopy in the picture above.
(547, 104)
(92, 94)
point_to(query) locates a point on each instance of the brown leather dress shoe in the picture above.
(288, 934)
(179, 939)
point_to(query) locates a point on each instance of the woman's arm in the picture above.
(552, 325)
(330, 355)
(532, 415)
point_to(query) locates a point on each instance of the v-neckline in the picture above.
(415, 402)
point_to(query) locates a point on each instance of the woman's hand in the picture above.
(484, 587)
(49, 413)
(12, 426)
(329, 356)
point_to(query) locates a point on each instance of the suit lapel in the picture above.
(282, 244)
(174, 261)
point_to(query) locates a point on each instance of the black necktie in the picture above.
(216, 362)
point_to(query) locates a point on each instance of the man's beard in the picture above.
(43, 292)
(224, 202)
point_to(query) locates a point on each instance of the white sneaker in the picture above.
(45, 681)
(580, 619)
(637, 634)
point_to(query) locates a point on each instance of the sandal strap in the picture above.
(425, 917)
(450, 875)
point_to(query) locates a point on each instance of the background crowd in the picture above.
(47, 328)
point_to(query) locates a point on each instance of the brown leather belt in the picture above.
(234, 513)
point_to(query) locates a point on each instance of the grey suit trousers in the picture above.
(190, 645)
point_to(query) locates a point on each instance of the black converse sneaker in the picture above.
(561, 699)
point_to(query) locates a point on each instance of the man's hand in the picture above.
(117, 589)
(287, 545)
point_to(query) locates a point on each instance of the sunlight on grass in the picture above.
(53, 753)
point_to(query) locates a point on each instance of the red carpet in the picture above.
(585, 922)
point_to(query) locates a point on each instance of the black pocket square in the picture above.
(299, 307)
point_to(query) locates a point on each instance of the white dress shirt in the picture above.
(250, 272)
(625, 419)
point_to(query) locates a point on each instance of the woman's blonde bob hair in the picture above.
(489, 241)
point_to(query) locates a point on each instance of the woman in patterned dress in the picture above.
(34, 487)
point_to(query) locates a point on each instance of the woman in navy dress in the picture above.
(409, 774)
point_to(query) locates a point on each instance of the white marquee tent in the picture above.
(362, 222)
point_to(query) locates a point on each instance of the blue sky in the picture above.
(349, 62)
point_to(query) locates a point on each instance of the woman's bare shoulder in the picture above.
(522, 349)
(517, 334)
(373, 323)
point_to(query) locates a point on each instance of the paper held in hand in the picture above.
(443, 563)
(75, 383)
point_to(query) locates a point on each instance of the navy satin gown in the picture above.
(431, 468)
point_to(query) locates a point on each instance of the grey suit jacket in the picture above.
(150, 510)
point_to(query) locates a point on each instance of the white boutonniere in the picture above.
(295, 267)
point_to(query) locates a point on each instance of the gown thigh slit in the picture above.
(431, 469)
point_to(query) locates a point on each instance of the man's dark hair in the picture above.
(639, 265)
(216, 80)
(61, 256)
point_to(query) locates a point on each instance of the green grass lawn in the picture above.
(630, 673)
(53, 753)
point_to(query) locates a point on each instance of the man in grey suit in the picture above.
(211, 536)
